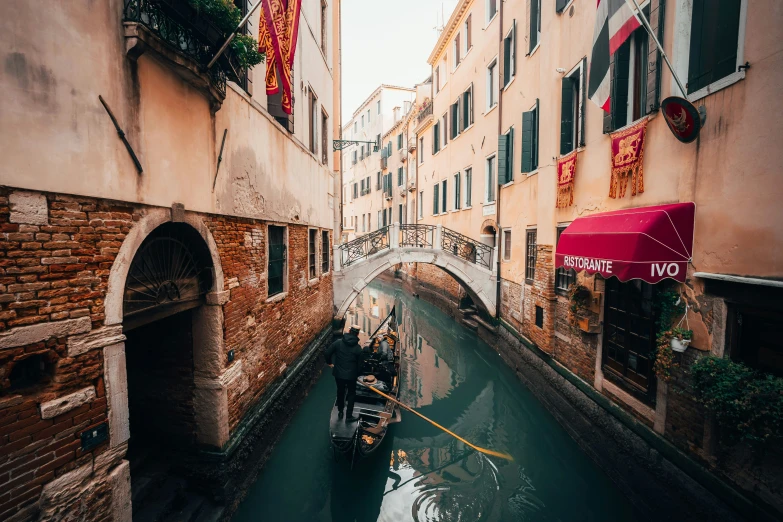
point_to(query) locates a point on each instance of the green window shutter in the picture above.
(567, 116)
(510, 155)
(435, 198)
(537, 118)
(582, 109)
(533, 25)
(465, 109)
(514, 49)
(506, 60)
(619, 92)
(501, 159)
(444, 196)
(527, 141)
(560, 5)
(457, 187)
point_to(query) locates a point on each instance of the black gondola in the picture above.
(380, 369)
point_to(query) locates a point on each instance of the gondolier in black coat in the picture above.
(344, 357)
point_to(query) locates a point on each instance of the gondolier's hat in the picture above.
(355, 328)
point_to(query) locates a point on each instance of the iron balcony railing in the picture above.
(364, 246)
(189, 33)
(425, 112)
(466, 248)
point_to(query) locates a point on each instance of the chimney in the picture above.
(396, 114)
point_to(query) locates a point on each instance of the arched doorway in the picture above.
(167, 282)
(489, 232)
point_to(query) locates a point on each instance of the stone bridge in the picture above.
(470, 262)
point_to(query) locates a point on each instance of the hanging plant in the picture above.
(748, 405)
(668, 305)
(226, 16)
(578, 298)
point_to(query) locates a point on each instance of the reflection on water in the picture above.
(421, 473)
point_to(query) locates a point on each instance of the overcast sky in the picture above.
(387, 41)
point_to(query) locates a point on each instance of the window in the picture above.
(400, 177)
(421, 204)
(468, 186)
(368, 116)
(277, 260)
(444, 127)
(399, 141)
(435, 199)
(457, 55)
(364, 223)
(436, 138)
(506, 245)
(361, 156)
(714, 42)
(571, 110)
(436, 78)
(401, 215)
(535, 24)
(311, 253)
(323, 26)
(421, 150)
(355, 128)
(564, 278)
(466, 105)
(455, 115)
(324, 137)
(378, 181)
(489, 189)
(530, 139)
(378, 110)
(362, 121)
(457, 188)
(444, 197)
(539, 316)
(506, 157)
(313, 117)
(492, 84)
(510, 55)
(369, 222)
(353, 158)
(468, 31)
(380, 220)
(492, 9)
(385, 218)
(355, 190)
(755, 337)
(530, 256)
(377, 142)
(629, 336)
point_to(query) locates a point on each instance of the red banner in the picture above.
(566, 172)
(278, 30)
(627, 157)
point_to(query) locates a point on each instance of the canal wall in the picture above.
(660, 480)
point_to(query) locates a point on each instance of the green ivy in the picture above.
(666, 311)
(748, 405)
(245, 48)
(226, 16)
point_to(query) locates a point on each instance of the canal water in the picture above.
(422, 474)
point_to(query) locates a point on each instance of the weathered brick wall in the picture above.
(266, 336)
(541, 293)
(684, 416)
(511, 303)
(573, 348)
(437, 280)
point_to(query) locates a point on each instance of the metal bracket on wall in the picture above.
(121, 134)
(341, 144)
(220, 158)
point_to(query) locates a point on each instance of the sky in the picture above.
(387, 41)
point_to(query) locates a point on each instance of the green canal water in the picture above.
(420, 473)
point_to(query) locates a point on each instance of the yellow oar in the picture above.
(401, 405)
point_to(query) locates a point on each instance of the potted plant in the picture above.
(680, 339)
(579, 298)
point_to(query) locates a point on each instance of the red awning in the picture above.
(648, 243)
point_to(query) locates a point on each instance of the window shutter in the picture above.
(444, 196)
(619, 91)
(714, 39)
(537, 119)
(514, 48)
(502, 159)
(560, 5)
(608, 116)
(527, 140)
(583, 103)
(533, 10)
(435, 195)
(457, 187)
(472, 104)
(567, 117)
(506, 60)
(654, 57)
(445, 129)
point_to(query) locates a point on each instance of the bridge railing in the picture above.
(364, 246)
(414, 236)
(468, 249)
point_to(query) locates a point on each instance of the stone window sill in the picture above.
(277, 297)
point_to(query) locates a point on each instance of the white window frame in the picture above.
(492, 89)
(468, 187)
(465, 33)
(487, 183)
(421, 204)
(503, 257)
(444, 195)
(487, 16)
(578, 103)
(681, 54)
(457, 203)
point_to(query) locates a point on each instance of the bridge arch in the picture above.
(443, 249)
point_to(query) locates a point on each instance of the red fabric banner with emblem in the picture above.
(278, 30)
(566, 172)
(627, 158)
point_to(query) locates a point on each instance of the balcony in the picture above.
(403, 191)
(384, 163)
(184, 40)
(412, 186)
(425, 112)
(412, 145)
(403, 155)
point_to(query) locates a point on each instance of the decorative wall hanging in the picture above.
(627, 158)
(278, 29)
(566, 172)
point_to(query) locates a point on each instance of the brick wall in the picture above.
(541, 293)
(684, 416)
(438, 281)
(511, 303)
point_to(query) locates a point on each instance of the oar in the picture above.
(403, 406)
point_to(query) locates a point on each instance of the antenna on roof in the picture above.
(440, 25)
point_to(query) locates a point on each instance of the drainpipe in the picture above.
(500, 131)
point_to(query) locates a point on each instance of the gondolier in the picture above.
(344, 357)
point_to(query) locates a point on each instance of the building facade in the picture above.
(364, 203)
(509, 102)
(157, 295)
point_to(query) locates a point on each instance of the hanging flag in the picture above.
(627, 158)
(614, 23)
(278, 30)
(566, 172)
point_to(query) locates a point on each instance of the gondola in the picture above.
(380, 369)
